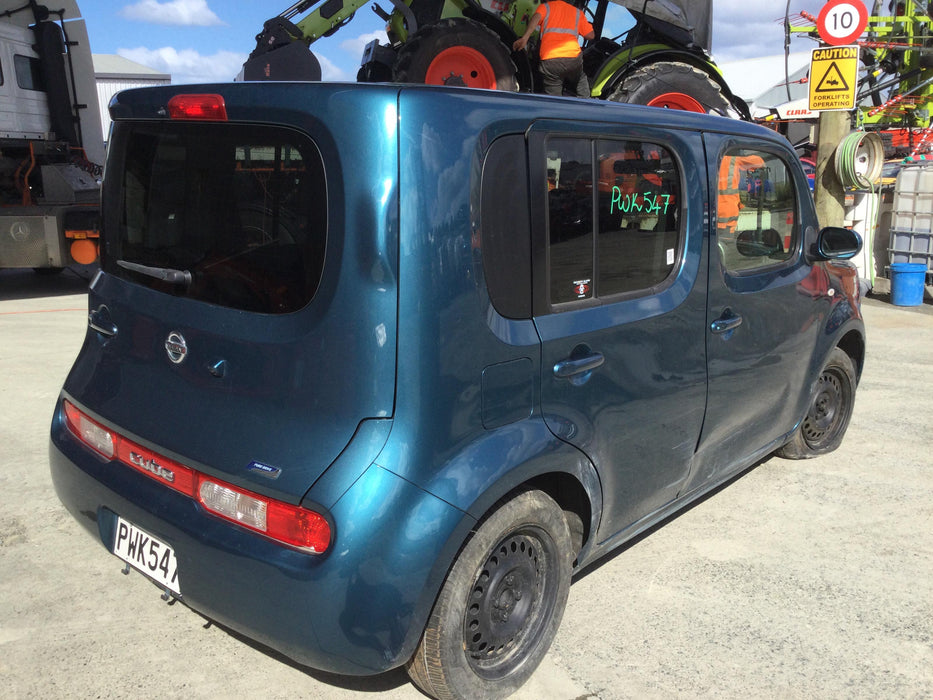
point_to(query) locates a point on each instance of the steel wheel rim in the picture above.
(828, 410)
(677, 100)
(462, 66)
(510, 602)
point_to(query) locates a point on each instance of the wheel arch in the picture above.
(570, 494)
(569, 479)
(556, 468)
(566, 488)
(853, 345)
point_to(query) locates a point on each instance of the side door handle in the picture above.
(727, 322)
(573, 366)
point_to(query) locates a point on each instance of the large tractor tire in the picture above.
(672, 85)
(456, 52)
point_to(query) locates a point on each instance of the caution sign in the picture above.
(833, 78)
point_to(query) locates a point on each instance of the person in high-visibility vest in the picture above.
(561, 59)
(729, 200)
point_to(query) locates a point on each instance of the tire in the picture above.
(674, 86)
(824, 426)
(456, 52)
(374, 72)
(500, 605)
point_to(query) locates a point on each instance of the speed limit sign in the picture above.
(842, 21)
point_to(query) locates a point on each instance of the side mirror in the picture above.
(834, 243)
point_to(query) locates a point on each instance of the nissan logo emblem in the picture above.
(176, 347)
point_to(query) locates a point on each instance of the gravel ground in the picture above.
(798, 580)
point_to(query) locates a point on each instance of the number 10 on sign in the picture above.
(842, 21)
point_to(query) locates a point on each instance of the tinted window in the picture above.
(28, 76)
(639, 216)
(570, 219)
(621, 236)
(756, 211)
(504, 227)
(241, 209)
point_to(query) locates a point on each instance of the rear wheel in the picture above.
(672, 85)
(830, 409)
(457, 52)
(501, 604)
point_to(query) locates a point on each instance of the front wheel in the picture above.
(672, 85)
(457, 52)
(830, 409)
(501, 604)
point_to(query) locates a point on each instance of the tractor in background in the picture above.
(661, 59)
(895, 93)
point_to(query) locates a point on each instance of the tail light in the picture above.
(293, 525)
(283, 522)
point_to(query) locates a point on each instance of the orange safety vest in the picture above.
(561, 23)
(729, 200)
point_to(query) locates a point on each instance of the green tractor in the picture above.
(661, 60)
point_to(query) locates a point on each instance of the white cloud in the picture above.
(330, 72)
(175, 12)
(187, 65)
(356, 45)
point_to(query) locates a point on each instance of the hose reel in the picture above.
(859, 160)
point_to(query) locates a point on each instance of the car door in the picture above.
(763, 303)
(620, 306)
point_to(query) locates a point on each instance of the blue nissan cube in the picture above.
(372, 370)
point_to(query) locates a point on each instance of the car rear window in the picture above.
(228, 214)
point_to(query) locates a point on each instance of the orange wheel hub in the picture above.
(461, 65)
(677, 100)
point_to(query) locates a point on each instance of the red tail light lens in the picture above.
(293, 525)
(198, 107)
(92, 434)
(286, 523)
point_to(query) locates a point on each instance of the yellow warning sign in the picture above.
(833, 78)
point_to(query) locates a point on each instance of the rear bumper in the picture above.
(358, 609)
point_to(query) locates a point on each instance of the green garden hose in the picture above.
(859, 160)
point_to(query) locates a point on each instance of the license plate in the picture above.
(146, 554)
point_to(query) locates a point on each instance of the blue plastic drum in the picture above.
(907, 283)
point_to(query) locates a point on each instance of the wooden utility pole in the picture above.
(829, 193)
(840, 22)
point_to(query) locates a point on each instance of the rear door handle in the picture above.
(727, 322)
(100, 321)
(578, 365)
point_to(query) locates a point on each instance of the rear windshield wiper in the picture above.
(166, 274)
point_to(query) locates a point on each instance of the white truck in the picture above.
(51, 146)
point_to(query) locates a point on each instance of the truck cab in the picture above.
(51, 147)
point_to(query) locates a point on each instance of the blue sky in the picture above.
(208, 40)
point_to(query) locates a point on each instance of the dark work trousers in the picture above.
(558, 72)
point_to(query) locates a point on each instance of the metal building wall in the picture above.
(108, 87)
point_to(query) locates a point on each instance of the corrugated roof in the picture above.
(113, 66)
